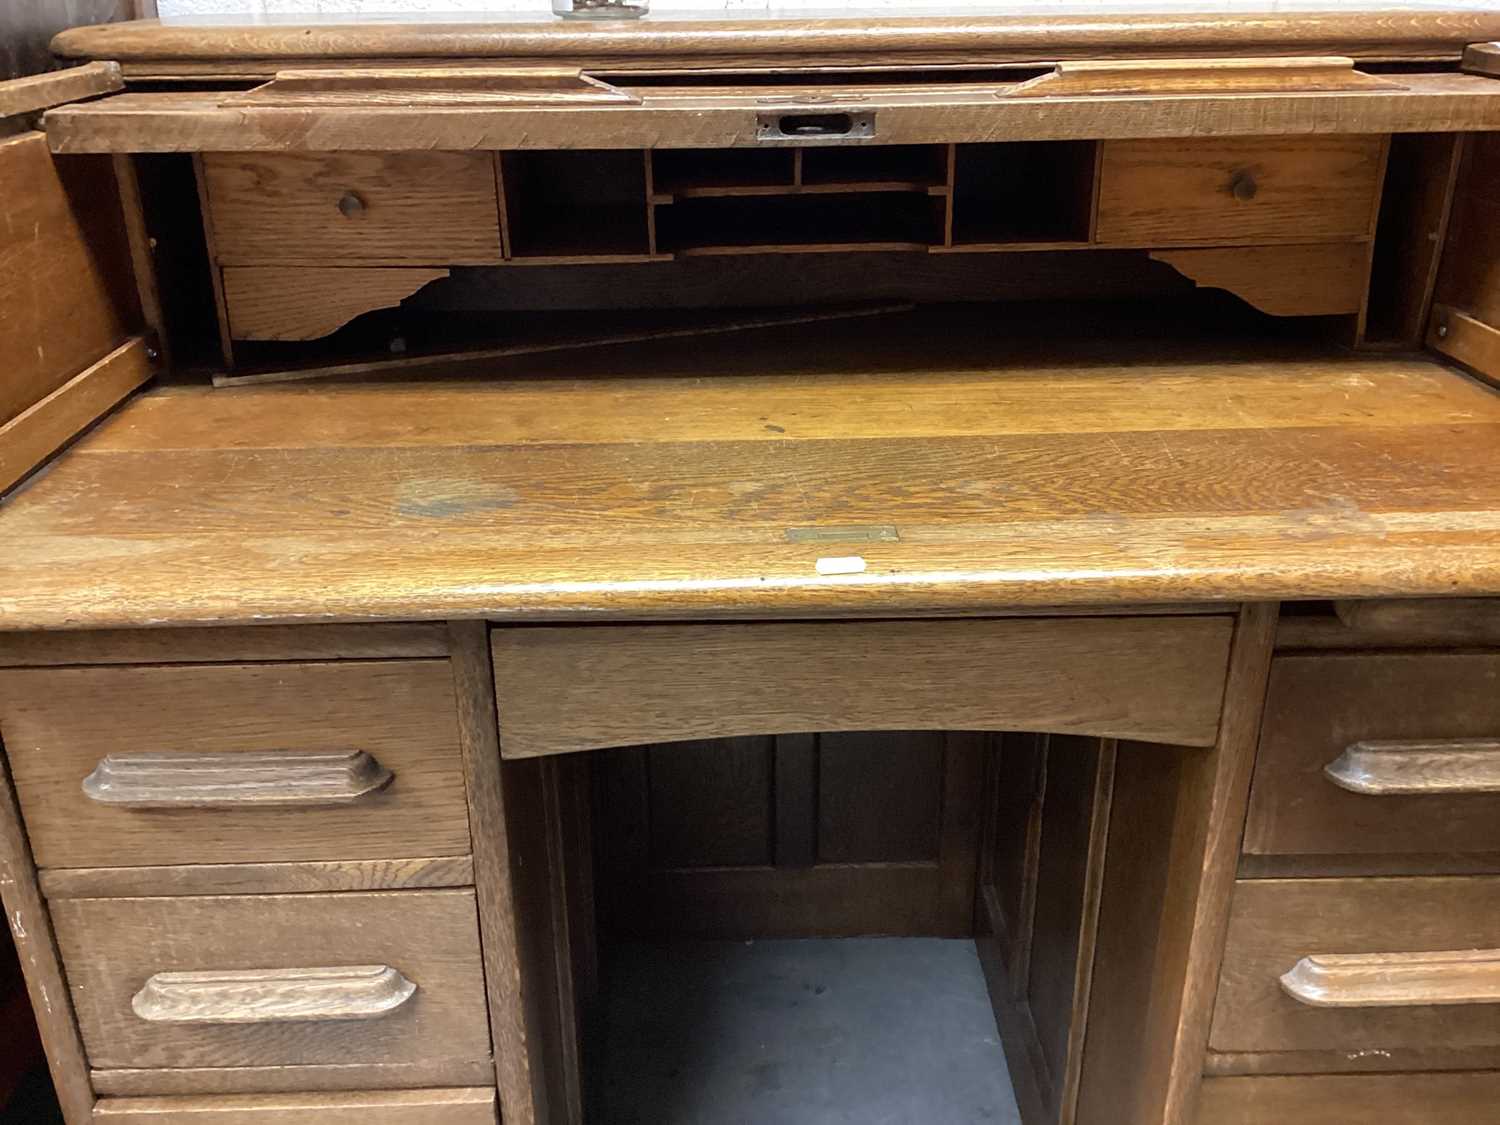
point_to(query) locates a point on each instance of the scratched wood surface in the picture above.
(946, 462)
(745, 37)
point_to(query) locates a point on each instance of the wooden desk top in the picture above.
(674, 484)
(1003, 32)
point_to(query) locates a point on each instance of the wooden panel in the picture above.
(1010, 873)
(565, 689)
(192, 646)
(1202, 471)
(407, 1107)
(1075, 826)
(1275, 923)
(258, 878)
(65, 276)
(44, 427)
(839, 871)
(1281, 280)
(518, 976)
(110, 946)
(900, 775)
(1365, 1099)
(1299, 190)
(418, 208)
(747, 38)
(59, 724)
(1467, 280)
(36, 951)
(1175, 829)
(330, 1078)
(1472, 342)
(1320, 705)
(308, 302)
(43, 91)
(711, 803)
(201, 121)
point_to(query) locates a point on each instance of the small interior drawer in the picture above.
(1234, 190)
(1378, 754)
(320, 209)
(1351, 1099)
(1362, 965)
(462, 1106)
(276, 980)
(125, 766)
(579, 688)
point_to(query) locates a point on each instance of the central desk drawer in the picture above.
(276, 980)
(1406, 967)
(1156, 679)
(251, 763)
(1237, 190)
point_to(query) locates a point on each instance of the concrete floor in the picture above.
(874, 1031)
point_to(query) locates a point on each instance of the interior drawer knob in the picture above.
(236, 779)
(348, 992)
(351, 204)
(1242, 185)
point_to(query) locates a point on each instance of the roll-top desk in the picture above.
(476, 490)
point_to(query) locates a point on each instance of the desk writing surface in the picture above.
(963, 470)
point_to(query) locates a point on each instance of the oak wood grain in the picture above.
(37, 92)
(300, 1078)
(1217, 191)
(66, 280)
(414, 208)
(310, 302)
(1281, 280)
(307, 877)
(59, 723)
(224, 645)
(1062, 473)
(44, 427)
(568, 689)
(1320, 705)
(406, 1107)
(199, 122)
(36, 949)
(1275, 923)
(1395, 980)
(1365, 1099)
(742, 36)
(111, 946)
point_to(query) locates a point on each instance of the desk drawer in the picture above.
(397, 1107)
(396, 208)
(1235, 190)
(276, 980)
(1374, 754)
(580, 688)
(1352, 1099)
(362, 758)
(1288, 983)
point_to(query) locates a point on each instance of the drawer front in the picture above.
(1336, 1000)
(581, 688)
(1367, 754)
(396, 1107)
(1352, 1099)
(1170, 192)
(276, 980)
(398, 208)
(356, 760)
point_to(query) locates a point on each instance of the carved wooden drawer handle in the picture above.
(1381, 769)
(353, 992)
(1395, 980)
(235, 780)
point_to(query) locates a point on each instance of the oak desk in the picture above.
(754, 479)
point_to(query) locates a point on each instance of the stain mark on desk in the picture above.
(448, 500)
(851, 533)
